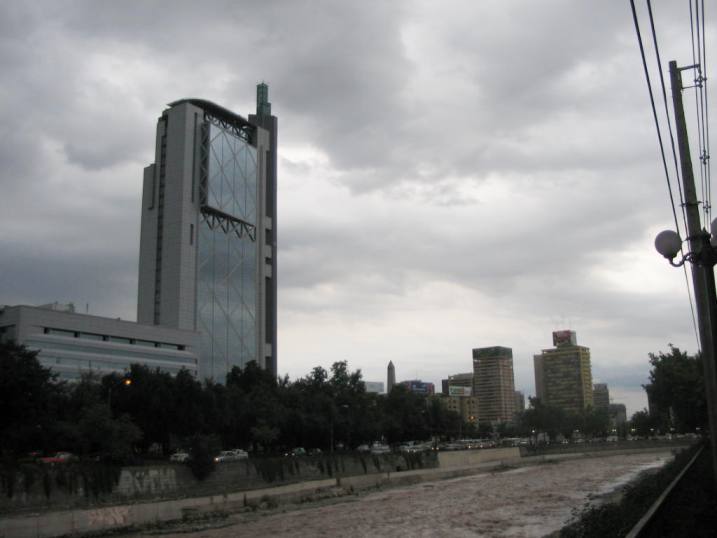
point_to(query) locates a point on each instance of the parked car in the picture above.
(231, 455)
(298, 451)
(179, 457)
(59, 457)
(363, 448)
(380, 448)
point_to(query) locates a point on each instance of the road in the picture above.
(529, 501)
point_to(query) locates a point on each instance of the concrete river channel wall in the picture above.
(76, 498)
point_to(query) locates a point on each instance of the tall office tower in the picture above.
(391, 377)
(563, 377)
(208, 242)
(494, 383)
(519, 401)
(601, 397)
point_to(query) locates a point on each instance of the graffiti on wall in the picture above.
(134, 482)
(108, 517)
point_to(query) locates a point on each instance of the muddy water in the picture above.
(524, 502)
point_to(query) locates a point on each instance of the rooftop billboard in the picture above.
(564, 338)
(455, 390)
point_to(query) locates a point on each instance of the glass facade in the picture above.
(227, 255)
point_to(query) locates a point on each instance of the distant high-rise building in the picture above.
(494, 383)
(419, 387)
(391, 377)
(208, 239)
(618, 414)
(601, 397)
(457, 380)
(563, 377)
(519, 401)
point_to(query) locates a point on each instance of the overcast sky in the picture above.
(452, 174)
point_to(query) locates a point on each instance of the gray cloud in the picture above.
(504, 149)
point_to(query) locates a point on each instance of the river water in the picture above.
(529, 501)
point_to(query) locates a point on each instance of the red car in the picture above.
(59, 457)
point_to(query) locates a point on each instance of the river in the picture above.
(529, 501)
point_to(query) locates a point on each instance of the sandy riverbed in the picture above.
(523, 502)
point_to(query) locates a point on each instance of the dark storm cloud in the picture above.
(505, 148)
(38, 276)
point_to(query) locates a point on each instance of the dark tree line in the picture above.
(676, 392)
(554, 422)
(144, 411)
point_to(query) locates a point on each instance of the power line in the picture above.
(659, 137)
(707, 110)
(669, 122)
(654, 112)
(698, 64)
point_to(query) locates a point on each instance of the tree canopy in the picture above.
(676, 391)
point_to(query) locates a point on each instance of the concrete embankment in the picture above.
(450, 465)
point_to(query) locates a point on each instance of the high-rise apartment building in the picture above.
(601, 397)
(519, 401)
(390, 377)
(494, 383)
(208, 240)
(563, 377)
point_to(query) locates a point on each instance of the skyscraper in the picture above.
(563, 377)
(391, 380)
(208, 240)
(494, 383)
(601, 397)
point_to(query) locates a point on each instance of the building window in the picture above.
(191, 234)
(90, 336)
(61, 332)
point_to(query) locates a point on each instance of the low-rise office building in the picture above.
(375, 387)
(465, 406)
(71, 343)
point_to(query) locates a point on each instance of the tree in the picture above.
(543, 418)
(148, 400)
(642, 423)
(29, 398)
(676, 390)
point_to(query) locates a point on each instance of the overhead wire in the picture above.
(662, 148)
(698, 62)
(705, 108)
(696, 54)
(654, 114)
(669, 121)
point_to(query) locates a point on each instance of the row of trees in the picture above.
(555, 422)
(144, 410)
(118, 415)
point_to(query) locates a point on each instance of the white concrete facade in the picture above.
(71, 344)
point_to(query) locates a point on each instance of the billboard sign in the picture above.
(455, 390)
(563, 338)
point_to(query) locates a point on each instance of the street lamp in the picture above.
(702, 255)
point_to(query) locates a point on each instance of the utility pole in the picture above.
(703, 261)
